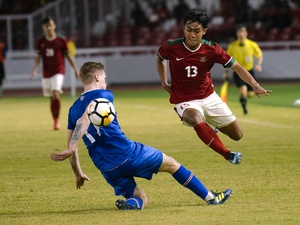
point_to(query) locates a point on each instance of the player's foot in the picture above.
(123, 205)
(56, 124)
(220, 198)
(245, 110)
(235, 157)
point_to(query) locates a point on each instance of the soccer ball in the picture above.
(297, 102)
(101, 112)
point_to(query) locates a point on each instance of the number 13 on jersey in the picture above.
(191, 71)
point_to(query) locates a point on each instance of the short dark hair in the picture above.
(47, 20)
(196, 15)
(241, 25)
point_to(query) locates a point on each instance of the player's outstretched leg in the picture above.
(211, 139)
(190, 181)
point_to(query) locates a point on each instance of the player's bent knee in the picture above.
(192, 116)
(169, 165)
(237, 137)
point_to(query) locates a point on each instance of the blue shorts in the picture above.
(142, 163)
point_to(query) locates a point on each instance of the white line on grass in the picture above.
(249, 121)
(268, 124)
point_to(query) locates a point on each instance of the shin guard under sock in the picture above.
(211, 139)
(135, 201)
(190, 181)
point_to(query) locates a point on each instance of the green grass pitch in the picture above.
(36, 190)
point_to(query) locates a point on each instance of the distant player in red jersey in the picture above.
(191, 90)
(53, 49)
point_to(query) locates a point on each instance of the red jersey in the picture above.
(190, 69)
(2, 52)
(53, 55)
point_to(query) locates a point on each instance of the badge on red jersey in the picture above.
(202, 58)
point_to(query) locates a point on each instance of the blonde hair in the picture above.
(87, 71)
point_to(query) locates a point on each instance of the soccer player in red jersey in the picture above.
(52, 49)
(191, 90)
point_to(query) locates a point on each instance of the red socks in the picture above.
(211, 139)
(55, 108)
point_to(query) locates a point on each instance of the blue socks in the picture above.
(135, 201)
(186, 178)
(190, 181)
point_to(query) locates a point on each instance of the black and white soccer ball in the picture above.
(101, 112)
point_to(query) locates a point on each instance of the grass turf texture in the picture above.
(36, 190)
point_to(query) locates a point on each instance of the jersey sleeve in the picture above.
(108, 95)
(70, 126)
(163, 50)
(257, 50)
(223, 57)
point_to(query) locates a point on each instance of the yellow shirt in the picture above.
(72, 48)
(245, 54)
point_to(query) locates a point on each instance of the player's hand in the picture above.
(61, 156)
(167, 87)
(80, 180)
(32, 75)
(258, 68)
(259, 91)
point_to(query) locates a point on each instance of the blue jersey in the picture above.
(108, 146)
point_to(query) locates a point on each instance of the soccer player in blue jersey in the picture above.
(119, 159)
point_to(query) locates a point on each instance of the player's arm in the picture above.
(226, 74)
(75, 164)
(246, 76)
(226, 70)
(73, 139)
(36, 66)
(71, 152)
(258, 66)
(161, 65)
(72, 63)
(258, 54)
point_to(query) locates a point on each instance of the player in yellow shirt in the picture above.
(245, 51)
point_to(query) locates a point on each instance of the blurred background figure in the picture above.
(71, 46)
(130, 28)
(180, 10)
(3, 50)
(245, 51)
(52, 48)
